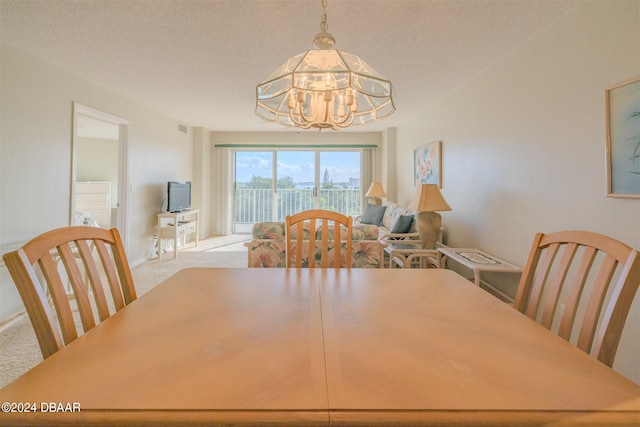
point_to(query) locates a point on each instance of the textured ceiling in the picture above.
(198, 61)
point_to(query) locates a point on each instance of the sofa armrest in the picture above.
(265, 253)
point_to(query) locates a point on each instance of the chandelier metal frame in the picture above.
(324, 88)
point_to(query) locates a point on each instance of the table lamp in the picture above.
(426, 201)
(375, 192)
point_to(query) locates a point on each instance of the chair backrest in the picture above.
(560, 267)
(77, 248)
(297, 239)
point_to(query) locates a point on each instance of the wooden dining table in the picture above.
(319, 347)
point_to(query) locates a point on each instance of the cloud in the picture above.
(299, 165)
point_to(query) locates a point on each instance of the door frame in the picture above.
(123, 164)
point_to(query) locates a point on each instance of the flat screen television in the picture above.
(178, 196)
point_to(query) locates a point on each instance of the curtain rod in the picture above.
(295, 146)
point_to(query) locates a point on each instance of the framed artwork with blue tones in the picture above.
(623, 139)
(427, 164)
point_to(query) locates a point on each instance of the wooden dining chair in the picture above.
(570, 277)
(302, 245)
(77, 247)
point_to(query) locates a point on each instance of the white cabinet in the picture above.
(94, 199)
(177, 226)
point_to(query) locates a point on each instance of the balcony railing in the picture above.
(256, 205)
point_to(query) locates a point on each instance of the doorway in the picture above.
(99, 170)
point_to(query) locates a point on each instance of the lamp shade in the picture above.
(376, 190)
(428, 198)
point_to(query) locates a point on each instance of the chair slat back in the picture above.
(580, 285)
(68, 255)
(326, 219)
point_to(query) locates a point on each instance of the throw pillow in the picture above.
(403, 224)
(372, 214)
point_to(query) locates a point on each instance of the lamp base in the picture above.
(428, 225)
(375, 201)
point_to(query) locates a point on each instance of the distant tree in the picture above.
(260, 182)
(327, 183)
(292, 199)
(286, 182)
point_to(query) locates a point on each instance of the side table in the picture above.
(174, 225)
(407, 255)
(476, 260)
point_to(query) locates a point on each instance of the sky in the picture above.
(299, 165)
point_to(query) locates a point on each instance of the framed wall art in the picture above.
(427, 164)
(623, 139)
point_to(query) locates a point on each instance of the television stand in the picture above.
(177, 225)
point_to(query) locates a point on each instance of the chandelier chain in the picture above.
(323, 25)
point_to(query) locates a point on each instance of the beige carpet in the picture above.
(19, 350)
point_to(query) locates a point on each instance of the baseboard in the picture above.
(140, 261)
(8, 321)
(496, 292)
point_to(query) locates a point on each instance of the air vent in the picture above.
(182, 128)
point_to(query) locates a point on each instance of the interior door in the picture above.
(99, 175)
(97, 154)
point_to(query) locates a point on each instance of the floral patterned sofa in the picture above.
(267, 247)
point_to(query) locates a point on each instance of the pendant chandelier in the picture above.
(324, 88)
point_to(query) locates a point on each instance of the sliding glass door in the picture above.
(340, 182)
(269, 185)
(253, 189)
(297, 188)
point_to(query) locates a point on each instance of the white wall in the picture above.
(524, 144)
(35, 156)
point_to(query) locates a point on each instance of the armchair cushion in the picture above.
(359, 232)
(270, 253)
(365, 254)
(373, 214)
(268, 230)
(276, 230)
(391, 215)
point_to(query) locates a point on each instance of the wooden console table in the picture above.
(174, 225)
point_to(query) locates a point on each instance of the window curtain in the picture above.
(366, 172)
